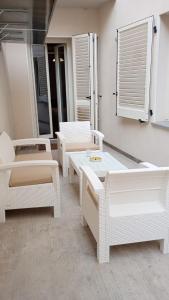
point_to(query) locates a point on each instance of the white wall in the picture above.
(6, 122)
(66, 22)
(21, 88)
(144, 141)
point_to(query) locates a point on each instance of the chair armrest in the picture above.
(92, 179)
(98, 134)
(30, 163)
(33, 141)
(148, 165)
(61, 141)
(60, 136)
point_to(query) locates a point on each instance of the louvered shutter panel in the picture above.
(82, 73)
(43, 89)
(133, 71)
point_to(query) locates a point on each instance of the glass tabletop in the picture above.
(107, 163)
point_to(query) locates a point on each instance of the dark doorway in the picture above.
(53, 88)
(62, 79)
(56, 58)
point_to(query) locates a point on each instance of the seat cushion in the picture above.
(81, 147)
(31, 175)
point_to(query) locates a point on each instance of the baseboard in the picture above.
(123, 153)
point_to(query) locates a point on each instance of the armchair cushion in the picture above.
(31, 175)
(72, 147)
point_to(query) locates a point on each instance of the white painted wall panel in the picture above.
(6, 121)
(66, 22)
(21, 89)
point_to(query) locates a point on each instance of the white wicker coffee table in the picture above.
(78, 159)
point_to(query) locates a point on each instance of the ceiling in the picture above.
(24, 20)
(81, 3)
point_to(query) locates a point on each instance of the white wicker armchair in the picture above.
(131, 206)
(75, 137)
(27, 180)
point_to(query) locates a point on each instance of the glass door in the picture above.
(42, 91)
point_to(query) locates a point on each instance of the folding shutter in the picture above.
(43, 89)
(133, 73)
(83, 64)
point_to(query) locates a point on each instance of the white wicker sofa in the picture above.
(75, 137)
(27, 180)
(130, 206)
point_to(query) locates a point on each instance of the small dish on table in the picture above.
(95, 158)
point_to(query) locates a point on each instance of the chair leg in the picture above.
(71, 174)
(65, 165)
(2, 216)
(56, 212)
(103, 253)
(80, 187)
(83, 221)
(65, 170)
(164, 245)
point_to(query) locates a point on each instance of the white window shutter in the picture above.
(133, 70)
(83, 77)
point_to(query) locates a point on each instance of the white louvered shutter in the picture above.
(83, 75)
(133, 71)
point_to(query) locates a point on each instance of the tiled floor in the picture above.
(42, 258)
